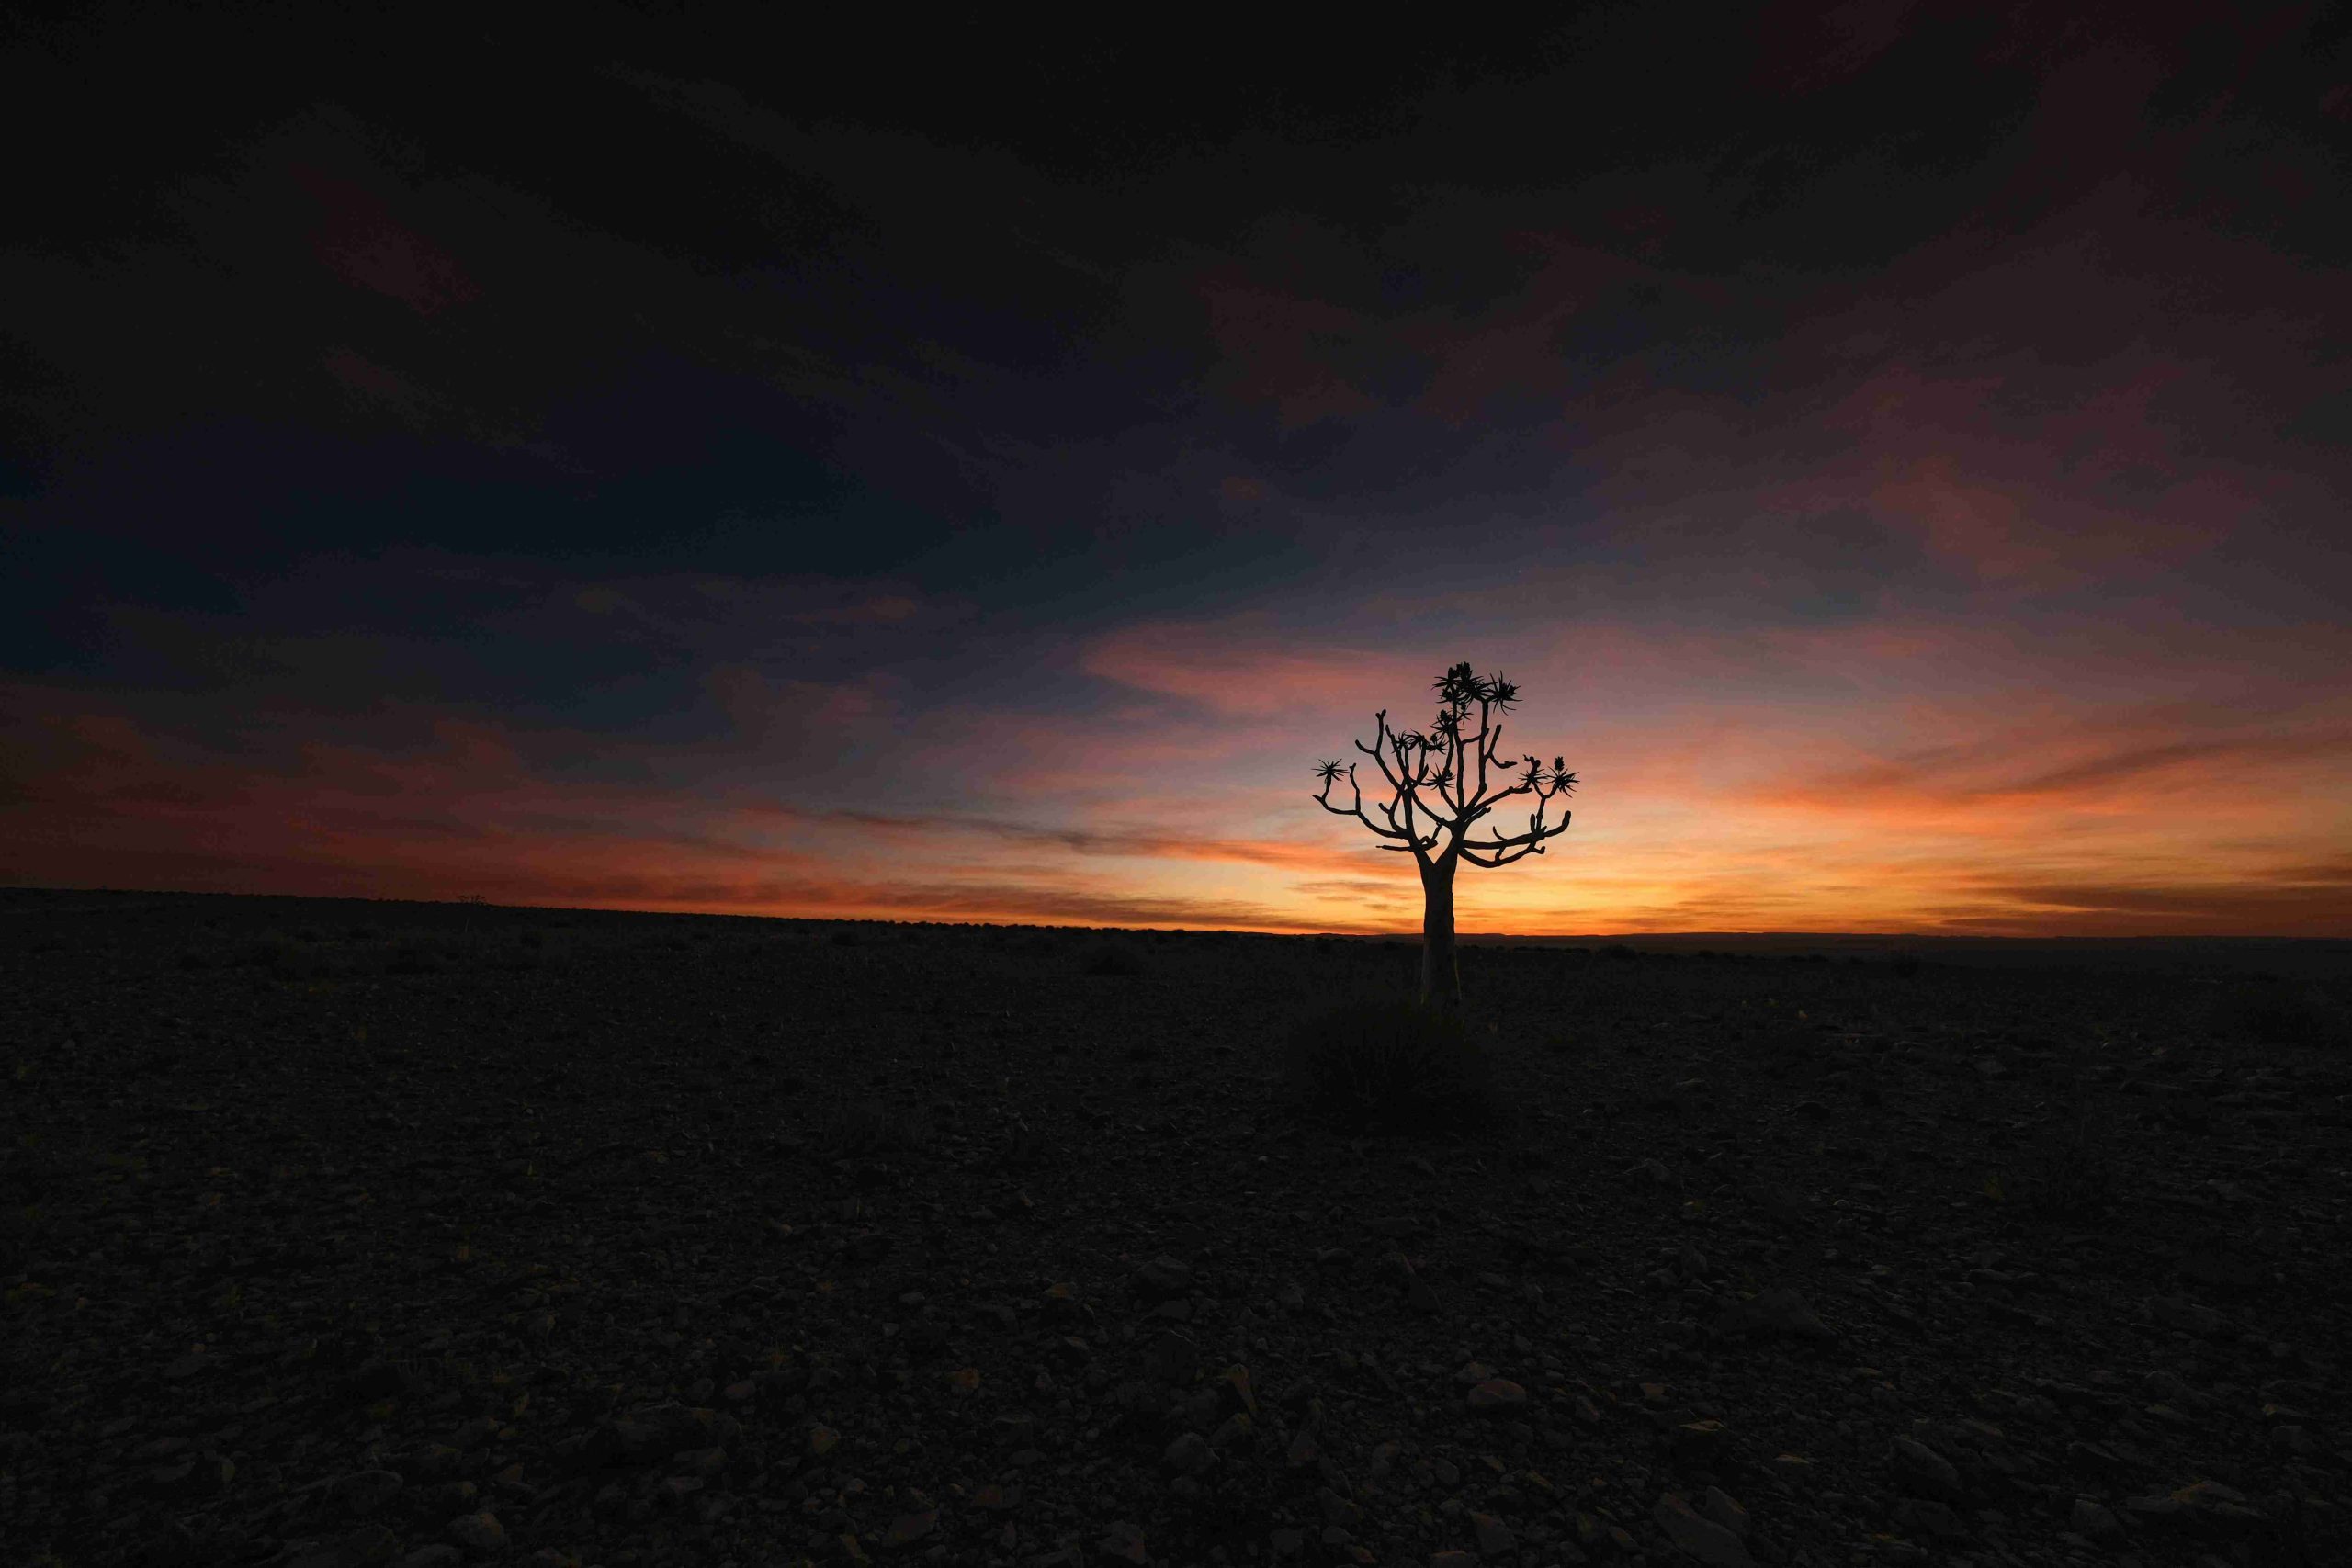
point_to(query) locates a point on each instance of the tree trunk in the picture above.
(1440, 977)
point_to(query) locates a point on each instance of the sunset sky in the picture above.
(1901, 452)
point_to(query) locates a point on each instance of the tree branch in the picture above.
(1356, 810)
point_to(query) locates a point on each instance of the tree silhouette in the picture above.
(1439, 792)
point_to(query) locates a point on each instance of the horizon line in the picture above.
(1406, 933)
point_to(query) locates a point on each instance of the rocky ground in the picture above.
(343, 1234)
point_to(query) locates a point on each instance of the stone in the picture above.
(365, 1492)
(665, 1429)
(1923, 1472)
(1703, 1539)
(704, 1462)
(1494, 1536)
(1701, 1445)
(1925, 1515)
(1161, 1279)
(1780, 1311)
(1718, 1506)
(479, 1534)
(1171, 1357)
(1189, 1455)
(2214, 1509)
(2094, 1520)
(1497, 1395)
(1123, 1540)
(1236, 1383)
(2190, 1317)
(908, 1528)
(367, 1547)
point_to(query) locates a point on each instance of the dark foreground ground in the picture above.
(344, 1233)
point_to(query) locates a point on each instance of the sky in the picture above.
(968, 471)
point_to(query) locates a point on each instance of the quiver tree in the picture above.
(1440, 798)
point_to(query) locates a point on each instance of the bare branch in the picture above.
(1355, 809)
(1499, 861)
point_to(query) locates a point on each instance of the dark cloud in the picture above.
(685, 403)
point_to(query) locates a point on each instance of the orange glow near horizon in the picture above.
(1866, 800)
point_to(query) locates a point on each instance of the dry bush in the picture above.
(1393, 1066)
(2266, 1010)
(1115, 959)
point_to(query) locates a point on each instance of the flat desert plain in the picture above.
(355, 1233)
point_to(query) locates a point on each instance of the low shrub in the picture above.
(2265, 1010)
(1112, 958)
(1393, 1066)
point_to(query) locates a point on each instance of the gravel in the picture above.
(351, 1233)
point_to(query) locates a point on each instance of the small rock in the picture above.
(2190, 1317)
(1701, 1444)
(1718, 1506)
(664, 1430)
(1189, 1455)
(1495, 1536)
(1498, 1395)
(364, 1492)
(2215, 1509)
(1925, 1516)
(481, 1534)
(908, 1528)
(1924, 1472)
(704, 1462)
(1781, 1311)
(1701, 1539)
(1305, 1450)
(366, 1547)
(1237, 1382)
(2094, 1520)
(1161, 1278)
(1123, 1540)
(434, 1556)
